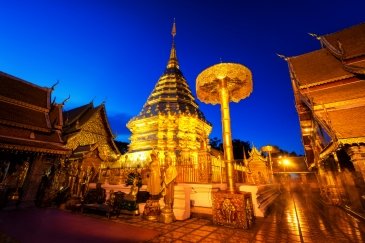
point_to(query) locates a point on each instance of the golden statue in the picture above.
(168, 183)
(132, 196)
(167, 214)
(154, 177)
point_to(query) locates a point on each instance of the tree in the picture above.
(237, 144)
(122, 146)
(282, 152)
(216, 143)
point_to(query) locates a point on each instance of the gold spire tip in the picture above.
(173, 31)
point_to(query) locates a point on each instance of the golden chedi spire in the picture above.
(173, 62)
(171, 94)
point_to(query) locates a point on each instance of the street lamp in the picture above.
(270, 149)
(286, 162)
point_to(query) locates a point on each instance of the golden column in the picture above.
(220, 84)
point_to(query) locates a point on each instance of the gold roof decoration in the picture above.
(238, 77)
(255, 155)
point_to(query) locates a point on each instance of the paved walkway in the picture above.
(295, 217)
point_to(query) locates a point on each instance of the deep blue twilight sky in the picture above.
(115, 51)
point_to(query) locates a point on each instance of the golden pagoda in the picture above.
(170, 125)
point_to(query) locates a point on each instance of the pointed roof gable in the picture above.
(171, 94)
(73, 115)
(255, 155)
(77, 117)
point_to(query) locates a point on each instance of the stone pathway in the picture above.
(295, 217)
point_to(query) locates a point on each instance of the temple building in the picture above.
(87, 134)
(329, 90)
(171, 125)
(31, 144)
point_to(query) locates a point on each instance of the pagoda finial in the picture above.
(173, 59)
(173, 31)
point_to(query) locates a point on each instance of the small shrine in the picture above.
(258, 171)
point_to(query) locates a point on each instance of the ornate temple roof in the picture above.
(329, 91)
(317, 67)
(348, 124)
(171, 94)
(343, 44)
(341, 57)
(24, 92)
(76, 118)
(70, 117)
(28, 120)
(255, 155)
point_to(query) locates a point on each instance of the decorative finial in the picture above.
(173, 31)
(315, 36)
(282, 56)
(63, 102)
(53, 86)
(173, 59)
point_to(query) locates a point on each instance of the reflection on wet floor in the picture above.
(297, 216)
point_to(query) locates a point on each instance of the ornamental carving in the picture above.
(93, 132)
(233, 210)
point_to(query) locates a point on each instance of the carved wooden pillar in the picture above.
(32, 181)
(357, 155)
